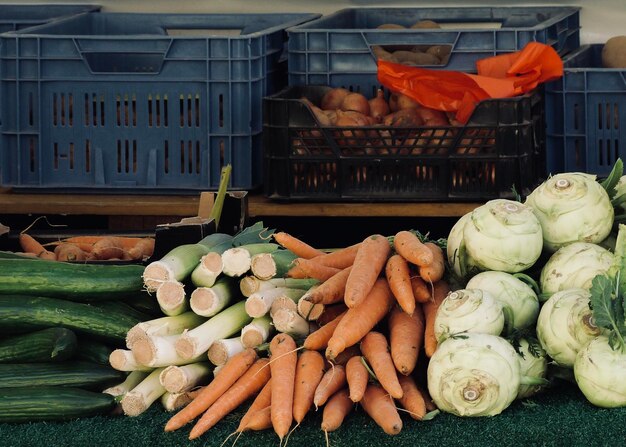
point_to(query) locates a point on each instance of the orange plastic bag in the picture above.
(501, 76)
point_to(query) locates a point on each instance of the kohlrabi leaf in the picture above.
(601, 301)
(609, 183)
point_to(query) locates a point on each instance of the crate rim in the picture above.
(36, 31)
(306, 27)
(581, 49)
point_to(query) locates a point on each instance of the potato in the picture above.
(425, 24)
(382, 54)
(440, 51)
(614, 52)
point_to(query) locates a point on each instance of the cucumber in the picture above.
(72, 373)
(18, 312)
(47, 345)
(122, 307)
(94, 351)
(76, 282)
(51, 403)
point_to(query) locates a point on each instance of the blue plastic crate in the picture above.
(15, 16)
(148, 102)
(338, 49)
(586, 115)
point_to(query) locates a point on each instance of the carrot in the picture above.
(340, 259)
(412, 400)
(331, 312)
(142, 249)
(318, 340)
(296, 246)
(357, 378)
(421, 291)
(332, 290)
(369, 262)
(358, 321)
(434, 271)
(333, 380)
(249, 383)
(380, 407)
(440, 291)
(283, 367)
(89, 240)
(309, 372)
(30, 245)
(69, 252)
(375, 349)
(108, 247)
(236, 366)
(399, 279)
(336, 409)
(262, 400)
(406, 338)
(261, 420)
(305, 268)
(408, 245)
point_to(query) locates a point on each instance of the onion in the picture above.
(321, 117)
(404, 102)
(350, 119)
(403, 118)
(333, 98)
(356, 102)
(378, 106)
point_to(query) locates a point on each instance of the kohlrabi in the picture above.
(458, 258)
(468, 310)
(565, 325)
(503, 235)
(533, 366)
(519, 301)
(572, 207)
(572, 267)
(474, 375)
(600, 366)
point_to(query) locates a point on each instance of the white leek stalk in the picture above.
(124, 360)
(208, 270)
(260, 303)
(143, 395)
(163, 326)
(290, 322)
(132, 380)
(208, 301)
(474, 375)
(251, 284)
(573, 267)
(266, 266)
(175, 401)
(180, 261)
(518, 300)
(572, 207)
(177, 379)
(468, 310)
(228, 322)
(172, 298)
(159, 351)
(565, 325)
(503, 235)
(256, 332)
(238, 260)
(222, 350)
(308, 310)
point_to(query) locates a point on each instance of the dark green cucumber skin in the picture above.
(51, 403)
(94, 351)
(18, 312)
(46, 345)
(72, 373)
(76, 282)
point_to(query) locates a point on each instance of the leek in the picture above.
(221, 350)
(256, 332)
(208, 301)
(143, 395)
(178, 379)
(163, 326)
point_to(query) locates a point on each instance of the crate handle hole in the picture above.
(124, 63)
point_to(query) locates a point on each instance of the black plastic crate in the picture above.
(502, 146)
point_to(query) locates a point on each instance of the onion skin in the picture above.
(355, 102)
(378, 106)
(322, 118)
(333, 98)
(403, 118)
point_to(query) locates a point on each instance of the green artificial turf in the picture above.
(560, 417)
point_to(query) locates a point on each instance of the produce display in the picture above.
(263, 325)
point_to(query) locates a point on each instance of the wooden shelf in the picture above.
(184, 206)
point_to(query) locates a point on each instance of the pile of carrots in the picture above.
(89, 248)
(380, 298)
